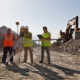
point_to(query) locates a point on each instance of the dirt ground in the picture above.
(64, 66)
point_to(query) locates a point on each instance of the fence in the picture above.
(37, 42)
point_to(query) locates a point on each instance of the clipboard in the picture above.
(40, 36)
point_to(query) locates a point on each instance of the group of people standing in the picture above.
(9, 39)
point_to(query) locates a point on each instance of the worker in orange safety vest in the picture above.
(8, 43)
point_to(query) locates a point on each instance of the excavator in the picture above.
(67, 35)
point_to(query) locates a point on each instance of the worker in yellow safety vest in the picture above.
(45, 44)
(27, 41)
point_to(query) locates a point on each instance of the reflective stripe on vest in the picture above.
(45, 42)
(27, 42)
(8, 40)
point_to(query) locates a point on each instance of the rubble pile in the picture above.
(71, 45)
(55, 46)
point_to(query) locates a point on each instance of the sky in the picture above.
(54, 14)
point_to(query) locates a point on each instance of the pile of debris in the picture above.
(70, 46)
(55, 45)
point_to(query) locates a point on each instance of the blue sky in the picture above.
(38, 13)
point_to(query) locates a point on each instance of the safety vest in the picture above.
(45, 42)
(26, 41)
(8, 40)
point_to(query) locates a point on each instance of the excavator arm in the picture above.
(72, 22)
(67, 35)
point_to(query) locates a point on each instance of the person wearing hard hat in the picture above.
(27, 41)
(45, 44)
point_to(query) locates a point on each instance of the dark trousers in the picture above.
(5, 51)
(42, 53)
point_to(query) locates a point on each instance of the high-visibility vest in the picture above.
(45, 42)
(26, 41)
(8, 40)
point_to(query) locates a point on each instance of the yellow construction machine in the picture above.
(22, 31)
(67, 35)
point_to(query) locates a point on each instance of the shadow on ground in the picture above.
(15, 68)
(46, 73)
(67, 71)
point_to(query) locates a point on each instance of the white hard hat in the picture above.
(26, 27)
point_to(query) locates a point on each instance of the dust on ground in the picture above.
(64, 66)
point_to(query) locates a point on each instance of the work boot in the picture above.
(31, 61)
(24, 61)
(3, 62)
(41, 62)
(11, 62)
(49, 63)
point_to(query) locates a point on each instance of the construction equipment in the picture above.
(67, 35)
(22, 31)
(17, 23)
